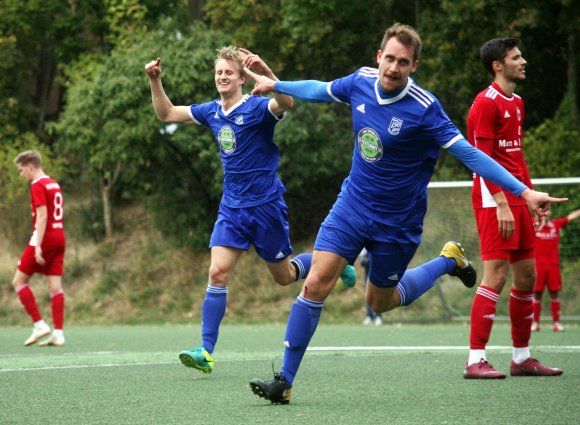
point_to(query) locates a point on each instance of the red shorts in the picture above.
(548, 275)
(494, 247)
(53, 255)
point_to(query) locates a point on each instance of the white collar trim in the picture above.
(397, 97)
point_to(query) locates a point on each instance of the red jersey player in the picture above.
(548, 268)
(45, 251)
(495, 126)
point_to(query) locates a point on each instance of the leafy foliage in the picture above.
(14, 191)
(554, 147)
(107, 126)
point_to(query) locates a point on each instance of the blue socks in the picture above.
(212, 313)
(417, 281)
(302, 323)
(302, 263)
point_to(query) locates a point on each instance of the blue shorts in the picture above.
(265, 226)
(346, 230)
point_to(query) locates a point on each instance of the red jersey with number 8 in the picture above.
(46, 191)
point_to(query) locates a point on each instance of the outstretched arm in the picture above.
(308, 90)
(538, 202)
(164, 109)
(573, 215)
(280, 103)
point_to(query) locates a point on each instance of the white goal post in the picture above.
(535, 182)
(450, 217)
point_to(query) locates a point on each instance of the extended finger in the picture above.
(556, 200)
(250, 73)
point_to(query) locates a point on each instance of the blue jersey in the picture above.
(397, 142)
(245, 137)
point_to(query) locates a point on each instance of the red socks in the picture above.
(555, 307)
(57, 304)
(521, 315)
(537, 310)
(482, 317)
(28, 301)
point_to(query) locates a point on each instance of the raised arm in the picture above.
(280, 103)
(164, 109)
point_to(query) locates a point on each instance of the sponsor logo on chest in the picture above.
(227, 139)
(369, 145)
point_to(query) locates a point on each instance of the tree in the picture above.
(108, 125)
(453, 33)
(14, 191)
(321, 40)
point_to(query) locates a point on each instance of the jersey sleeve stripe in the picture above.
(491, 93)
(419, 99)
(368, 72)
(192, 117)
(422, 93)
(329, 91)
(452, 141)
(277, 117)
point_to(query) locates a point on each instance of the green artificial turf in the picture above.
(394, 374)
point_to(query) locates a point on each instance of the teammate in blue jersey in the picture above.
(252, 209)
(399, 129)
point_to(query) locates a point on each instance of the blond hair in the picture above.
(233, 55)
(29, 157)
(406, 35)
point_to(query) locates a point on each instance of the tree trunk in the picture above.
(417, 14)
(106, 184)
(107, 210)
(47, 68)
(573, 74)
(195, 8)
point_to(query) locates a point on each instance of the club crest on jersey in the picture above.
(395, 126)
(239, 120)
(227, 139)
(519, 114)
(369, 145)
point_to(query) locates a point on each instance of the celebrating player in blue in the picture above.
(252, 209)
(399, 129)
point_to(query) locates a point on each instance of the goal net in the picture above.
(450, 217)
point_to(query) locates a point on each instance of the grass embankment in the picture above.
(139, 277)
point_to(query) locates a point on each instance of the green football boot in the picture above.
(197, 358)
(348, 276)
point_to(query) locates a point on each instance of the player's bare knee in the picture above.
(377, 307)
(283, 280)
(495, 281)
(382, 306)
(218, 275)
(18, 281)
(318, 287)
(526, 281)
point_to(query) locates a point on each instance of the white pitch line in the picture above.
(87, 366)
(87, 353)
(320, 349)
(434, 347)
